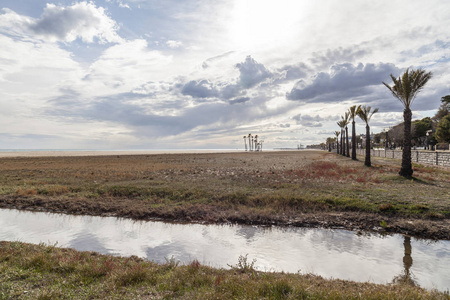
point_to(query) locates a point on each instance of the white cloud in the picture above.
(220, 81)
(126, 66)
(174, 44)
(82, 20)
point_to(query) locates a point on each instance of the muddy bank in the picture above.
(202, 213)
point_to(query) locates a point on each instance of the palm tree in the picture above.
(365, 115)
(249, 142)
(341, 124)
(256, 142)
(353, 111)
(337, 141)
(245, 142)
(405, 88)
(346, 120)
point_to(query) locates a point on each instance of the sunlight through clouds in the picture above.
(259, 24)
(201, 73)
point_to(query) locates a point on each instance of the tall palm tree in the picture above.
(337, 133)
(346, 120)
(249, 142)
(245, 142)
(341, 124)
(353, 111)
(256, 142)
(405, 88)
(365, 114)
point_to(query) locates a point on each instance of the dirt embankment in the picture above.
(307, 189)
(209, 214)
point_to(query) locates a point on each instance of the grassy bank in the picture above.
(304, 188)
(46, 272)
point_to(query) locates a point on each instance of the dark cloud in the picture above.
(144, 118)
(230, 91)
(344, 81)
(252, 72)
(292, 72)
(239, 100)
(309, 121)
(200, 89)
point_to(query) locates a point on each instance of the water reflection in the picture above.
(329, 253)
(406, 277)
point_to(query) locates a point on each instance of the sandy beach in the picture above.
(62, 153)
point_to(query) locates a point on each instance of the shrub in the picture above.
(387, 207)
(134, 275)
(243, 265)
(26, 192)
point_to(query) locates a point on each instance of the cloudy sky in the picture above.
(168, 74)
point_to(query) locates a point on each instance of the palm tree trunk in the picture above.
(337, 145)
(367, 160)
(348, 146)
(342, 142)
(406, 170)
(353, 140)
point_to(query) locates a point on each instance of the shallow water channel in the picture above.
(330, 253)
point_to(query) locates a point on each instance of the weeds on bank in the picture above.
(47, 272)
(243, 265)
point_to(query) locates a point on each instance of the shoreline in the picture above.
(64, 153)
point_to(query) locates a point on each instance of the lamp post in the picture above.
(386, 138)
(427, 140)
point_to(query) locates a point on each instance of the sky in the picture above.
(173, 74)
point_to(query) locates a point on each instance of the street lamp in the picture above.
(386, 130)
(427, 140)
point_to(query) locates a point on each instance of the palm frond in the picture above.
(346, 118)
(366, 114)
(353, 111)
(406, 87)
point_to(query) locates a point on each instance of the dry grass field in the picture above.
(299, 188)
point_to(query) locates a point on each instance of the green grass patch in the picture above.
(43, 272)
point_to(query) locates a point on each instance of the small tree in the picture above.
(443, 130)
(337, 141)
(420, 128)
(365, 114)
